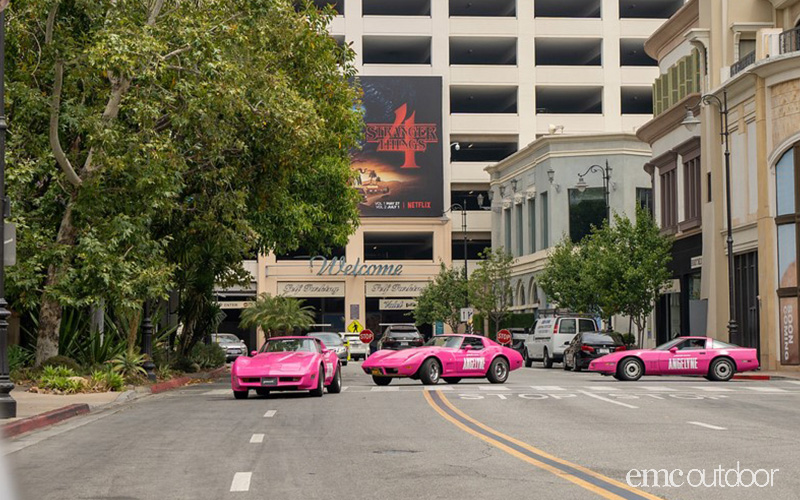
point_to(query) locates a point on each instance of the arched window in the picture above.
(521, 297)
(532, 291)
(788, 221)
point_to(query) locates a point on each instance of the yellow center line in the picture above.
(605, 493)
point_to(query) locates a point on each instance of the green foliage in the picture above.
(628, 338)
(490, 285)
(207, 356)
(62, 362)
(61, 379)
(107, 380)
(57, 371)
(277, 315)
(442, 299)
(19, 357)
(129, 365)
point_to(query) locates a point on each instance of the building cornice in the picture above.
(667, 121)
(675, 27)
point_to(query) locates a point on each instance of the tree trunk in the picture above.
(51, 311)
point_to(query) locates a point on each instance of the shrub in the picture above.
(62, 379)
(207, 356)
(107, 380)
(18, 357)
(628, 338)
(63, 361)
(52, 371)
(129, 365)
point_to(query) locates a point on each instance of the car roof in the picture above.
(290, 337)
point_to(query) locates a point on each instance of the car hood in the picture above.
(276, 363)
(403, 356)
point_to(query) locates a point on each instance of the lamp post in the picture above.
(606, 173)
(456, 206)
(691, 122)
(8, 407)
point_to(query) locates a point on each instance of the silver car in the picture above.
(233, 345)
(334, 342)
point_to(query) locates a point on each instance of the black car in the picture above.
(398, 337)
(587, 346)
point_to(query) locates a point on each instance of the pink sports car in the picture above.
(287, 364)
(705, 356)
(451, 357)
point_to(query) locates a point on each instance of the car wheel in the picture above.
(498, 371)
(566, 365)
(320, 384)
(430, 371)
(576, 364)
(721, 370)
(344, 363)
(335, 387)
(262, 392)
(381, 380)
(547, 361)
(528, 360)
(630, 370)
(452, 380)
(240, 394)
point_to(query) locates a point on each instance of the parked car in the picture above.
(287, 364)
(231, 344)
(588, 346)
(451, 357)
(552, 335)
(334, 342)
(713, 359)
(358, 349)
(400, 336)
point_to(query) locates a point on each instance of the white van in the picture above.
(551, 336)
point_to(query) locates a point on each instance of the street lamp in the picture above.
(691, 122)
(8, 407)
(463, 209)
(606, 173)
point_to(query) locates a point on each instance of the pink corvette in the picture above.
(287, 364)
(704, 356)
(451, 357)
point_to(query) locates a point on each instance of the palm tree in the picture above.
(277, 315)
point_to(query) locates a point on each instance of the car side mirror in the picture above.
(566, 343)
(467, 348)
(673, 350)
(253, 353)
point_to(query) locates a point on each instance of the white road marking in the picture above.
(438, 388)
(217, 392)
(766, 389)
(384, 389)
(345, 388)
(601, 398)
(656, 388)
(492, 388)
(603, 388)
(241, 481)
(270, 413)
(257, 438)
(708, 426)
(796, 382)
(711, 388)
(546, 388)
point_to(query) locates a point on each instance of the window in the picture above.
(787, 220)
(644, 198)
(532, 225)
(692, 345)
(475, 342)
(474, 248)
(545, 222)
(304, 253)
(567, 326)
(587, 209)
(708, 187)
(396, 7)
(507, 229)
(691, 186)
(587, 325)
(669, 202)
(398, 246)
(520, 228)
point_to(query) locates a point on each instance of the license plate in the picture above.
(403, 343)
(376, 371)
(269, 381)
(602, 351)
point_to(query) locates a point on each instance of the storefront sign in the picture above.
(313, 289)
(238, 304)
(397, 304)
(395, 289)
(790, 348)
(696, 262)
(338, 266)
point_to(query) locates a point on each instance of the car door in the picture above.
(689, 358)
(567, 328)
(471, 357)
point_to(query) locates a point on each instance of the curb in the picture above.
(181, 381)
(43, 420)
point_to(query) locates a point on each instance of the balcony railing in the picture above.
(742, 63)
(790, 40)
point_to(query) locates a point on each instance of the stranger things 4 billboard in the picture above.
(400, 169)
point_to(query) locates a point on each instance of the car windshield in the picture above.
(290, 345)
(446, 341)
(671, 343)
(224, 339)
(718, 344)
(329, 339)
(600, 338)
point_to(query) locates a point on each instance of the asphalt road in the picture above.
(545, 434)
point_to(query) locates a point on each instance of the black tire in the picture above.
(576, 364)
(381, 380)
(317, 393)
(344, 363)
(721, 370)
(452, 380)
(631, 370)
(547, 361)
(335, 387)
(528, 360)
(430, 371)
(566, 365)
(577, 367)
(262, 391)
(240, 394)
(498, 371)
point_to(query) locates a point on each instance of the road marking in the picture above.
(241, 481)
(438, 388)
(546, 388)
(708, 426)
(257, 438)
(576, 474)
(345, 388)
(217, 392)
(766, 389)
(270, 413)
(384, 389)
(603, 388)
(492, 388)
(709, 388)
(601, 398)
(796, 382)
(655, 388)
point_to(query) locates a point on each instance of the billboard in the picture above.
(400, 170)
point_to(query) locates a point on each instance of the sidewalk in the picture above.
(30, 404)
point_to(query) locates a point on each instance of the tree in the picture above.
(278, 314)
(490, 285)
(565, 280)
(442, 299)
(156, 144)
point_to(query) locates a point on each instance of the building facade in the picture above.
(749, 59)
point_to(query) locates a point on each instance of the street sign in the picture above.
(10, 244)
(366, 337)
(466, 314)
(355, 326)
(504, 337)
